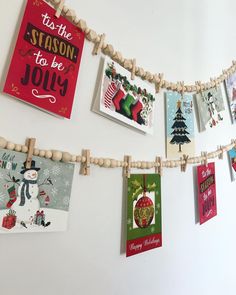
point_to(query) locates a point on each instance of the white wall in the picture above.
(187, 40)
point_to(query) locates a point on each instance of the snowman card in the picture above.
(126, 101)
(143, 213)
(210, 108)
(34, 199)
(230, 85)
(179, 125)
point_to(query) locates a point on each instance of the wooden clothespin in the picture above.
(204, 161)
(86, 164)
(158, 84)
(30, 143)
(133, 69)
(98, 45)
(221, 155)
(127, 160)
(199, 84)
(158, 167)
(59, 8)
(233, 141)
(184, 165)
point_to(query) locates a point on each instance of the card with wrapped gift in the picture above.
(126, 101)
(34, 199)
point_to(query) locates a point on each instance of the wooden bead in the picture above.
(18, 147)
(3, 142)
(92, 36)
(10, 146)
(36, 152)
(65, 9)
(24, 149)
(128, 64)
(106, 163)
(113, 163)
(109, 50)
(66, 157)
(48, 154)
(78, 159)
(95, 161)
(56, 155)
(70, 15)
(82, 25)
(42, 153)
(100, 161)
(76, 20)
(149, 165)
(143, 165)
(73, 158)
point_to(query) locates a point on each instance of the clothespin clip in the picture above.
(158, 83)
(221, 154)
(127, 160)
(86, 164)
(158, 166)
(200, 86)
(59, 8)
(30, 143)
(184, 165)
(133, 69)
(98, 45)
(204, 161)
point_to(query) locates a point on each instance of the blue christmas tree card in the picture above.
(232, 162)
(179, 125)
(34, 199)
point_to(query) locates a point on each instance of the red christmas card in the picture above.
(206, 192)
(45, 63)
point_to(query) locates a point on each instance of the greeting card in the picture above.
(143, 213)
(230, 85)
(206, 192)
(210, 108)
(179, 125)
(45, 63)
(130, 102)
(34, 199)
(232, 162)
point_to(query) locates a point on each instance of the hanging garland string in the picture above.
(130, 64)
(127, 164)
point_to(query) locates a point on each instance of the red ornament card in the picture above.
(45, 63)
(144, 231)
(206, 192)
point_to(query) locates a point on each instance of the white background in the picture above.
(187, 40)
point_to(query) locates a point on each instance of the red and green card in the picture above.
(45, 63)
(143, 213)
(206, 192)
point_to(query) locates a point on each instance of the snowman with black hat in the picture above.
(27, 202)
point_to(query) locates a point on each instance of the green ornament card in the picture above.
(143, 213)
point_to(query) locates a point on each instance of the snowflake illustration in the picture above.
(46, 172)
(56, 170)
(67, 183)
(1, 176)
(54, 191)
(129, 221)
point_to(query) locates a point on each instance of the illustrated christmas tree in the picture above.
(179, 133)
